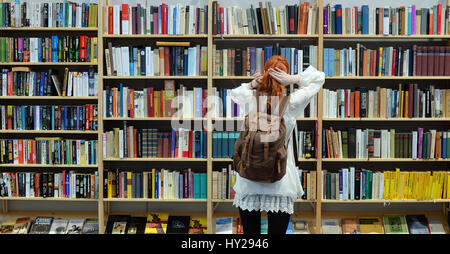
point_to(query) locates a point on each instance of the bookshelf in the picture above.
(210, 206)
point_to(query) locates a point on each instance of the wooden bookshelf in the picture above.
(47, 132)
(211, 81)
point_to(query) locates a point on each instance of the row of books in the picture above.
(155, 184)
(161, 61)
(157, 19)
(286, 19)
(223, 181)
(54, 49)
(49, 117)
(48, 14)
(387, 61)
(132, 142)
(49, 184)
(124, 101)
(403, 20)
(223, 143)
(384, 143)
(49, 225)
(246, 61)
(407, 101)
(387, 224)
(156, 223)
(48, 151)
(362, 184)
(21, 81)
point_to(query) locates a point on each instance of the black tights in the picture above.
(251, 222)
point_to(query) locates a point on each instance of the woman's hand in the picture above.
(284, 78)
(256, 81)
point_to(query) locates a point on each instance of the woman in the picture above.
(276, 198)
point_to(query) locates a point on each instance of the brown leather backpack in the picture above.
(260, 153)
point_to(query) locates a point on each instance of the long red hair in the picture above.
(269, 86)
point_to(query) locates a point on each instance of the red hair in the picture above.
(269, 85)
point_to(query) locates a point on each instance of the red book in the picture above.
(430, 59)
(33, 151)
(394, 56)
(436, 60)
(88, 109)
(356, 19)
(418, 53)
(63, 183)
(221, 20)
(160, 146)
(163, 19)
(167, 61)
(20, 151)
(133, 20)
(352, 104)
(150, 107)
(357, 95)
(166, 148)
(190, 145)
(439, 18)
(131, 103)
(135, 143)
(125, 16)
(162, 113)
(110, 20)
(424, 60)
(441, 61)
(373, 61)
(346, 113)
(447, 60)
(203, 102)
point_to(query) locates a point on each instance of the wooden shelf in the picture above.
(49, 29)
(45, 166)
(47, 132)
(155, 36)
(181, 200)
(155, 159)
(387, 119)
(376, 201)
(48, 64)
(230, 160)
(233, 77)
(48, 98)
(383, 37)
(243, 118)
(266, 36)
(152, 119)
(232, 200)
(389, 77)
(48, 199)
(382, 160)
(152, 77)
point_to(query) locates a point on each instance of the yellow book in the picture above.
(392, 187)
(153, 183)
(405, 114)
(129, 185)
(116, 142)
(401, 185)
(385, 185)
(397, 178)
(83, 154)
(156, 223)
(427, 183)
(371, 225)
(94, 50)
(380, 66)
(445, 176)
(198, 226)
(430, 186)
(109, 185)
(448, 185)
(402, 94)
(161, 178)
(278, 21)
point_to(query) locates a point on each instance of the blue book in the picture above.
(197, 148)
(174, 20)
(338, 8)
(341, 182)
(196, 186)
(219, 144)
(283, 52)
(365, 19)
(192, 53)
(224, 101)
(435, 21)
(295, 61)
(186, 64)
(363, 183)
(180, 185)
(55, 49)
(201, 144)
(444, 146)
(331, 61)
(231, 142)
(67, 184)
(39, 49)
(160, 18)
(417, 224)
(325, 60)
(267, 53)
(198, 102)
(252, 60)
(205, 144)
(42, 84)
(203, 186)
(288, 57)
(324, 147)
(53, 117)
(156, 184)
(65, 118)
(215, 144)
(172, 145)
(131, 59)
(225, 141)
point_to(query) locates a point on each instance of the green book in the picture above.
(392, 144)
(448, 144)
(409, 145)
(395, 224)
(397, 145)
(345, 143)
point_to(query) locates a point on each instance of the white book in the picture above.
(85, 84)
(386, 20)
(358, 143)
(183, 20)
(125, 61)
(414, 144)
(170, 18)
(70, 24)
(191, 27)
(300, 61)
(433, 143)
(125, 23)
(27, 185)
(78, 18)
(229, 105)
(310, 15)
(116, 19)
(352, 183)
(121, 142)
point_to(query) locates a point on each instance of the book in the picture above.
(436, 226)
(198, 226)
(59, 226)
(417, 224)
(331, 226)
(90, 226)
(119, 227)
(350, 226)
(75, 226)
(41, 225)
(371, 225)
(224, 225)
(116, 222)
(300, 226)
(395, 224)
(178, 224)
(136, 225)
(22, 225)
(156, 223)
